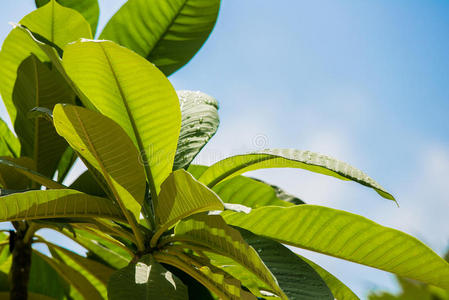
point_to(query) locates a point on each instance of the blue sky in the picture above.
(364, 81)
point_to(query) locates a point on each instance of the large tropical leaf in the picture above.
(86, 183)
(348, 236)
(287, 158)
(247, 191)
(199, 123)
(338, 288)
(182, 196)
(296, 278)
(9, 144)
(216, 280)
(56, 204)
(57, 24)
(39, 86)
(44, 280)
(106, 147)
(211, 232)
(135, 94)
(146, 279)
(89, 9)
(101, 250)
(73, 277)
(167, 33)
(98, 270)
(15, 173)
(74, 263)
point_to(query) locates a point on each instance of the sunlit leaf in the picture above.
(181, 196)
(107, 147)
(134, 93)
(287, 158)
(89, 9)
(166, 33)
(57, 24)
(213, 233)
(348, 236)
(56, 204)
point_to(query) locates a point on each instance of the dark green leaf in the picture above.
(146, 279)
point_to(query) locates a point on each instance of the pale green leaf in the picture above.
(182, 196)
(145, 279)
(167, 33)
(338, 288)
(287, 158)
(135, 94)
(89, 9)
(200, 121)
(348, 236)
(39, 86)
(59, 25)
(56, 204)
(106, 147)
(212, 232)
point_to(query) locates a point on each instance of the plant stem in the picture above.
(21, 265)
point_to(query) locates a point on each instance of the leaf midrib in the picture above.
(133, 124)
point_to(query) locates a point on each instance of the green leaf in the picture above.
(135, 94)
(72, 276)
(44, 280)
(9, 144)
(146, 279)
(199, 123)
(101, 250)
(247, 191)
(217, 281)
(89, 9)
(15, 173)
(100, 271)
(296, 278)
(166, 33)
(348, 236)
(104, 145)
(212, 233)
(182, 196)
(39, 86)
(66, 162)
(86, 267)
(287, 158)
(56, 204)
(338, 288)
(59, 25)
(86, 183)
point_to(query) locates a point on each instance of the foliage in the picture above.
(154, 225)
